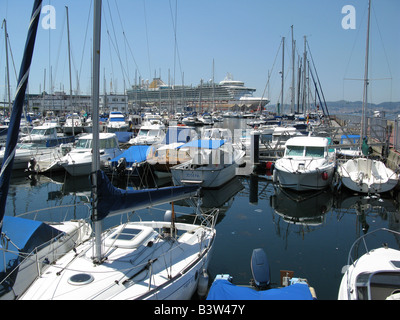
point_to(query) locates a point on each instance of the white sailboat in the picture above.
(28, 246)
(375, 275)
(135, 260)
(363, 174)
(307, 164)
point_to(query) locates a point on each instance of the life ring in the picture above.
(76, 123)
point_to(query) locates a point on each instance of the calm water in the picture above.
(310, 235)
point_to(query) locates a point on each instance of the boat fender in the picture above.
(202, 285)
(274, 177)
(270, 168)
(168, 216)
(324, 175)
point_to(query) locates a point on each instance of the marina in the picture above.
(308, 233)
(222, 198)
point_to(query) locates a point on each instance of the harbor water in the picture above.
(308, 233)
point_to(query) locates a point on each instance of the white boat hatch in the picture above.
(129, 237)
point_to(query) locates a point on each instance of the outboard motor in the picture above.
(32, 165)
(121, 166)
(260, 269)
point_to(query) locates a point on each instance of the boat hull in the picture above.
(207, 177)
(317, 179)
(367, 176)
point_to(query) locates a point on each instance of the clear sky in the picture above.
(242, 37)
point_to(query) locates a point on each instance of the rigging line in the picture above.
(116, 47)
(84, 41)
(147, 37)
(355, 41)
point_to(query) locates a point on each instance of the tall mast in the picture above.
(283, 71)
(95, 106)
(293, 74)
(366, 81)
(304, 75)
(70, 77)
(8, 68)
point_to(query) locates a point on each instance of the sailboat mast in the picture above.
(8, 68)
(366, 81)
(70, 77)
(15, 119)
(95, 117)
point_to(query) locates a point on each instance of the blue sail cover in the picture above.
(25, 235)
(112, 200)
(134, 154)
(224, 290)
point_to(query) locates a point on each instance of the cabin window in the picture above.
(315, 152)
(294, 151)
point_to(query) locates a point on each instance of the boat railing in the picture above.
(61, 214)
(362, 240)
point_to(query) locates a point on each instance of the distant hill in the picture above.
(353, 107)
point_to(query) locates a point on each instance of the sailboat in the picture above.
(27, 246)
(364, 174)
(134, 260)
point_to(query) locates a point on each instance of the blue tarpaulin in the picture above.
(205, 144)
(225, 290)
(134, 154)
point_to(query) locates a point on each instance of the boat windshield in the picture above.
(42, 132)
(294, 151)
(315, 152)
(83, 144)
(109, 143)
(143, 132)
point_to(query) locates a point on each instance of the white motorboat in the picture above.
(79, 160)
(73, 124)
(117, 122)
(41, 142)
(149, 134)
(375, 275)
(169, 152)
(366, 175)
(307, 164)
(213, 163)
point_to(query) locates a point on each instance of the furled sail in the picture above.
(112, 200)
(15, 119)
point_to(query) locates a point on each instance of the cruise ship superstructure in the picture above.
(207, 95)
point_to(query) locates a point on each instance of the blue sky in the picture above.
(243, 37)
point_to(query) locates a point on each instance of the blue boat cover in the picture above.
(25, 235)
(134, 154)
(225, 290)
(205, 144)
(123, 136)
(112, 200)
